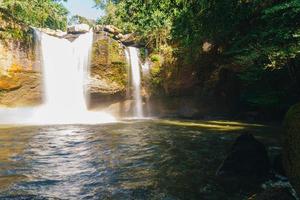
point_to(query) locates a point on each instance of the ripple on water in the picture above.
(141, 160)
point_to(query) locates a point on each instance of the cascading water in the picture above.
(65, 67)
(133, 57)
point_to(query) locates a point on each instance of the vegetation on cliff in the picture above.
(108, 66)
(255, 41)
(17, 15)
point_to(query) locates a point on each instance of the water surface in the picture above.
(130, 160)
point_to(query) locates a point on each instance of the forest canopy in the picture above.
(38, 13)
(258, 39)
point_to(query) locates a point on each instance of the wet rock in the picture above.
(247, 163)
(292, 147)
(79, 28)
(71, 37)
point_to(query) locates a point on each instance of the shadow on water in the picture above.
(155, 159)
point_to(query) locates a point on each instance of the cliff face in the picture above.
(108, 71)
(20, 74)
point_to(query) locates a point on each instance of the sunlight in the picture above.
(213, 125)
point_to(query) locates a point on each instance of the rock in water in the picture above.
(292, 146)
(79, 28)
(247, 161)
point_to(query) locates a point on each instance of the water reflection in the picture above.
(140, 160)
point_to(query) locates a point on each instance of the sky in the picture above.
(83, 8)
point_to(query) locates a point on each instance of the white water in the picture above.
(136, 81)
(65, 67)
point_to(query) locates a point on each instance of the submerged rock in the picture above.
(79, 28)
(247, 162)
(292, 147)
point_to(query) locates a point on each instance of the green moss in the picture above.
(12, 31)
(109, 63)
(155, 58)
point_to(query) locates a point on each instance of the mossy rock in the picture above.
(13, 29)
(109, 65)
(292, 146)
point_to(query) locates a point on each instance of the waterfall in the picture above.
(65, 71)
(134, 62)
(65, 66)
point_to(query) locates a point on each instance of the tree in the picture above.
(39, 13)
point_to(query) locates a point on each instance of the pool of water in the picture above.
(153, 159)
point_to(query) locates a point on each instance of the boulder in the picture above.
(98, 28)
(55, 33)
(60, 33)
(111, 29)
(292, 147)
(107, 28)
(79, 28)
(247, 161)
(129, 39)
(120, 36)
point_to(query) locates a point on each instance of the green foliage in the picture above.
(152, 19)
(38, 13)
(155, 58)
(260, 39)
